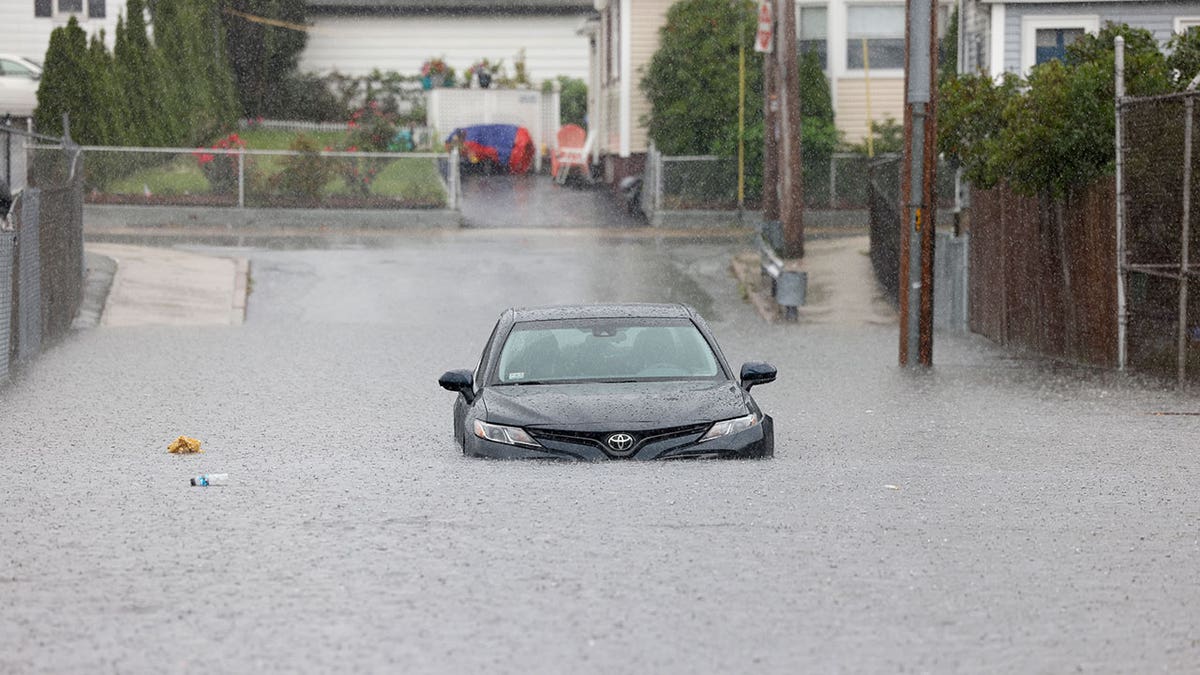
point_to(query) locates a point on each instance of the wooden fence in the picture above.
(1043, 276)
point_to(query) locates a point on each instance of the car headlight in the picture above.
(503, 434)
(727, 427)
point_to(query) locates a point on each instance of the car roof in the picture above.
(603, 311)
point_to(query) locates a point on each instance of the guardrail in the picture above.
(789, 288)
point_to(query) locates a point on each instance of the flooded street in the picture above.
(997, 513)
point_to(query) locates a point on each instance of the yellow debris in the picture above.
(184, 445)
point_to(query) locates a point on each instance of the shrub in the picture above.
(1053, 132)
(370, 130)
(691, 82)
(305, 175)
(64, 88)
(221, 169)
(572, 99)
(1185, 56)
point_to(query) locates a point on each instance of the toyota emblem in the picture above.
(620, 442)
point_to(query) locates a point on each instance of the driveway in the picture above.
(536, 201)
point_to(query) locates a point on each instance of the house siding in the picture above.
(356, 45)
(29, 36)
(1158, 17)
(887, 99)
(648, 17)
(976, 31)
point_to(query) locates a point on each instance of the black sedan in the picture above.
(596, 382)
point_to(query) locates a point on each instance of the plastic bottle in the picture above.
(206, 479)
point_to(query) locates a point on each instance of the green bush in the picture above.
(64, 87)
(305, 175)
(262, 55)
(691, 82)
(371, 130)
(572, 99)
(692, 85)
(1185, 56)
(1053, 132)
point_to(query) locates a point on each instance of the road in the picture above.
(994, 515)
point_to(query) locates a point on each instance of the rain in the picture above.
(275, 299)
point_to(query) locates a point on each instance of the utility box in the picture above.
(790, 291)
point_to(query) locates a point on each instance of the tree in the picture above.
(1053, 132)
(692, 80)
(106, 120)
(1185, 56)
(263, 55)
(970, 119)
(64, 88)
(572, 99)
(200, 87)
(142, 81)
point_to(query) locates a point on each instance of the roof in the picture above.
(602, 311)
(463, 6)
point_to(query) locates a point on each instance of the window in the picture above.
(96, 9)
(1047, 38)
(605, 350)
(17, 69)
(1187, 24)
(1051, 43)
(813, 32)
(882, 27)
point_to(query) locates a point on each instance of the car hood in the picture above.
(598, 406)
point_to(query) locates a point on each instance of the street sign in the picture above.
(764, 41)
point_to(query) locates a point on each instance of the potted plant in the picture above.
(433, 73)
(482, 70)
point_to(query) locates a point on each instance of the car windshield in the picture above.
(606, 350)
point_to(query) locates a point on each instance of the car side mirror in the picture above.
(460, 381)
(756, 372)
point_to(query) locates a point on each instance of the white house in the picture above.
(999, 36)
(625, 37)
(357, 36)
(27, 24)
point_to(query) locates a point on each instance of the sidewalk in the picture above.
(841, 284)
(169, 287)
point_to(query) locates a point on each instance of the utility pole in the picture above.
(917, 179)
(764, 43)
(791, 193)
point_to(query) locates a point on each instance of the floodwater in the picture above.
(995, 514)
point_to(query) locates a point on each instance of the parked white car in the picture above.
(18, 85)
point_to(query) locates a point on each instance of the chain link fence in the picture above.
(709, 182)
(1160, 192)
(41, 246)
(268, 178)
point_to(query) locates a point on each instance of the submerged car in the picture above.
(601, 382)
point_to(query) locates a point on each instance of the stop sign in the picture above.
(764, 40)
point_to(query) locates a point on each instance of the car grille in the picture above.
(598, 439)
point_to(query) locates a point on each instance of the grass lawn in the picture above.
(414, 179)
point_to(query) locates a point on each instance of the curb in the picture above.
(100, 271)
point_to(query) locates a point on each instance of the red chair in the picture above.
(574, 144)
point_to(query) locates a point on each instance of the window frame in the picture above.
(1185, 23)
(84, 13)
(800, 27)
(724, 372)
(859, 72)
(1030, 25)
